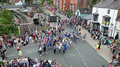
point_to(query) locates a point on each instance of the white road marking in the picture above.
(10, 55)
(81, 56)
(32, 51)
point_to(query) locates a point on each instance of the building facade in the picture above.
(72, 4)
(104, 15)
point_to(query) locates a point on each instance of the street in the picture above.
(79, 55)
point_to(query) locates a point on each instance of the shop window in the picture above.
(95, 17)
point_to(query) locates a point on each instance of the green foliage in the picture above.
(6, 17)
(49, 2)
(91, 6)
(9, 3)
(4, 0)
(95, 1)
(68, 13)
(28, 1)
(16, 30)
(42, 1)
(55, 7)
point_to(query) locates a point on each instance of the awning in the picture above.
(23, 10)
(95, 13)
(87, 17)
(106, 16)
(105, 25)
(95, 22)
(83, 15)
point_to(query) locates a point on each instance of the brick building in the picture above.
(14, 1)
(72, 4)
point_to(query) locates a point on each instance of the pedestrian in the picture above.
(84, 36)
(40, 51)
(97, 47)
(99, 44)
(20, 53)
(102, 65)
(63, 49)
(44, 48)
(54, 49)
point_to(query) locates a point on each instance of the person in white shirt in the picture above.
(30, 39)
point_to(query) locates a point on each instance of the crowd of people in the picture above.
(28, 62)
(55, 39)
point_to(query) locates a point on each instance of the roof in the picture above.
(82, 15)
(106, 16)
(35, 16)
(23, 10)
(118, 19)
(87, 16)
(108, 4)
(85, 11)
(12, 6)
(32, 5)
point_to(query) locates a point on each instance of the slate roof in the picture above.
(85, 11)
(32, 5)
(12, 6)
(109, 4)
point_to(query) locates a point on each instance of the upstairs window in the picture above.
(106, 21)
(108, 12)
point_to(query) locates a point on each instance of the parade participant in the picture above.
(44, 48)
(97, 47)
(20, 53)
(54, 49)
(17, 48)
(84, 36)
(63, 49)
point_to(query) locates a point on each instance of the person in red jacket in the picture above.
(33, 37)
(8, 43)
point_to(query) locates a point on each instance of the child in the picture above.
(17, 48)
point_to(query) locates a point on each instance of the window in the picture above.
(106, 21)
(70, 6)
(108, 11)
(96, 9)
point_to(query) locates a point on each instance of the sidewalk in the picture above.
(104, 50)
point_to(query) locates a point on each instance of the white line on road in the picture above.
(32, 51)
(10, 55)
(81, 56)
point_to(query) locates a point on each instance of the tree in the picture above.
(5, 18)
(4, 0)
(95, 1)
(49, 2)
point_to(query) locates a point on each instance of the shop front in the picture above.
(104, 30)
(96, 26)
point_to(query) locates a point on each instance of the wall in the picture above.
(102, 12)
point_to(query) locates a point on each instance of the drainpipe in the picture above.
(115, 24)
